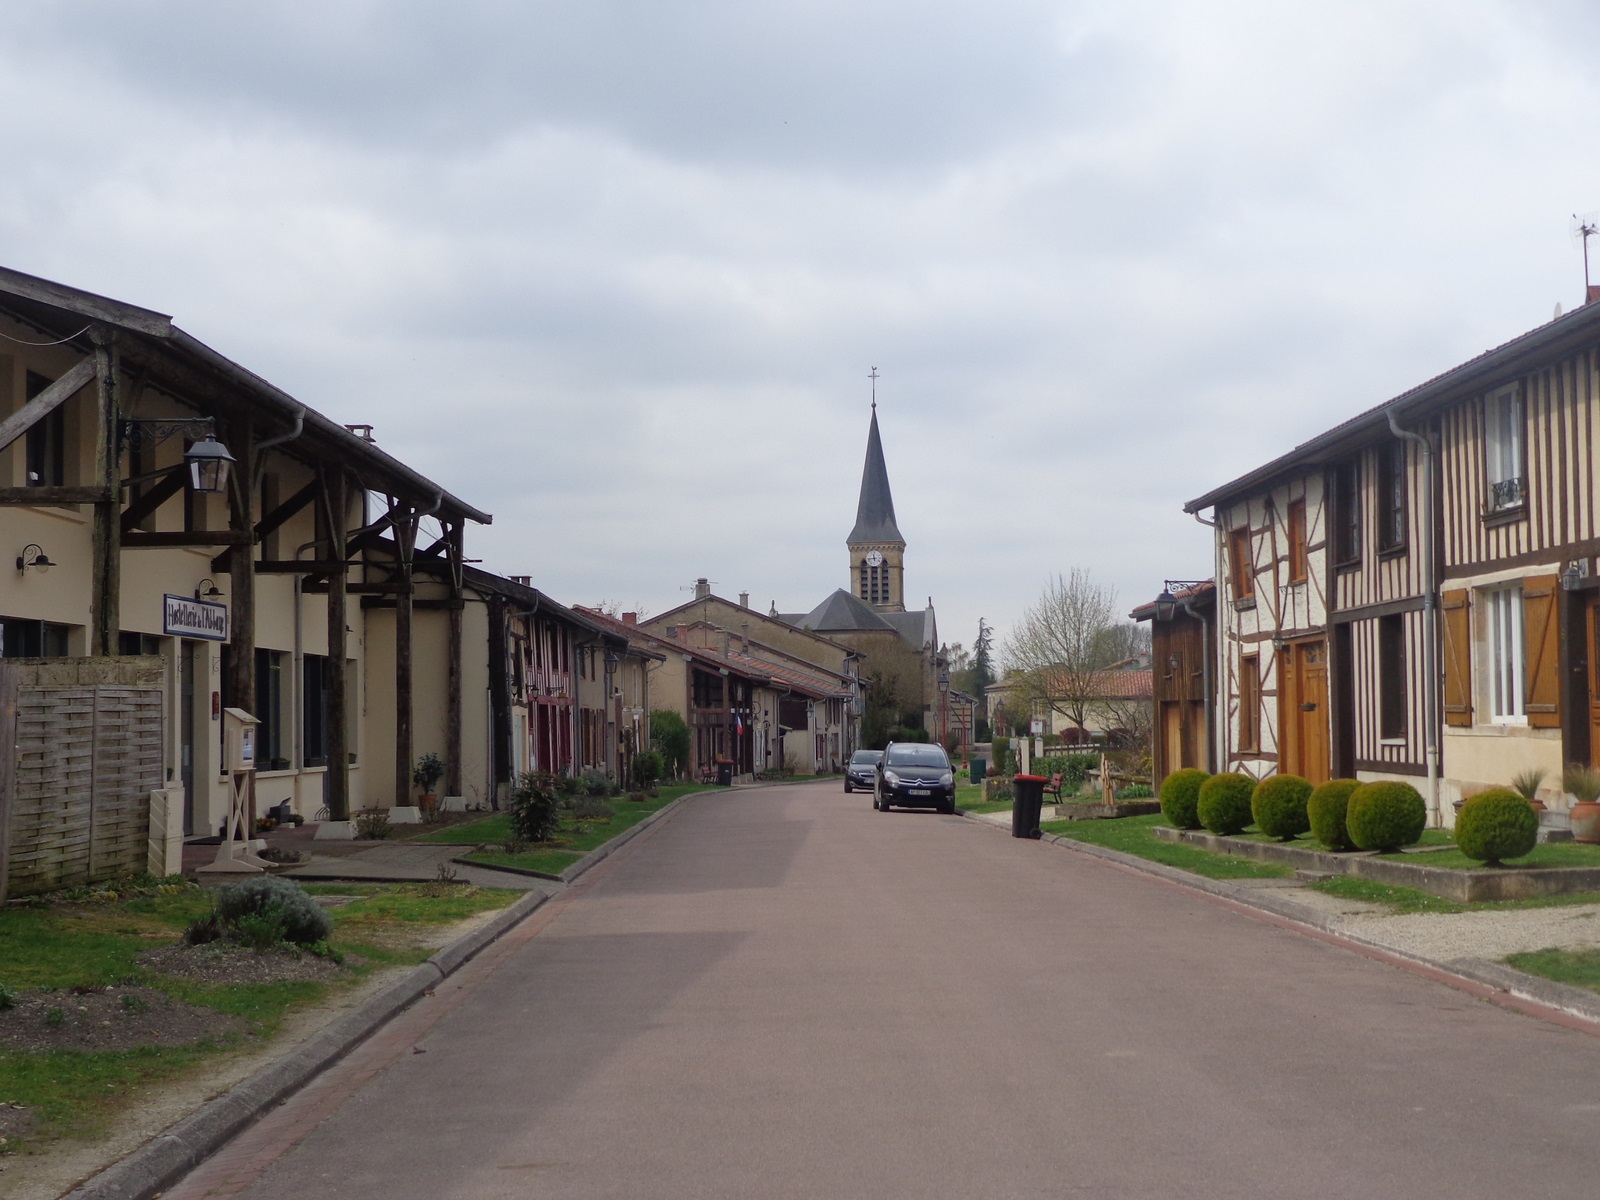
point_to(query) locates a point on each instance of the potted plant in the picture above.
(1583, 784)
(1526, 784)
(428, 772)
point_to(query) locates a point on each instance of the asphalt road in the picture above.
(781, 993)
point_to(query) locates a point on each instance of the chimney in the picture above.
(364, 432)
(524, 580)
(744, 635)
(744, 599)
(630, 618)
(702, 588)
(1593, 293)
(722, 642)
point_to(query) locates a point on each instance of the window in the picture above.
(1392, 677)
(1241, 565)
(1250, 702)
(138, 643)
(271, 754)
(32, 639)
(1503, 450)
(1297, 541)
(46, 441)
(1503, 655)
(1347, 513)
(1391, 499)
(314, 725)
(875, 583)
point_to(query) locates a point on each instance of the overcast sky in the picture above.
(616, 272)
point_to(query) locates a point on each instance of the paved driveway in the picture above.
(781, 993)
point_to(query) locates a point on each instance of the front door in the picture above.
(1172, 735)
(1303, 710)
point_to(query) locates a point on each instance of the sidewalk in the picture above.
(1439, 938)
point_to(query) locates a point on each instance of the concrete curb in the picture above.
(1576, 1002)
(181, 1147)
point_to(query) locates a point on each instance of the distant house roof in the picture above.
(1127, 683)
(875, 509)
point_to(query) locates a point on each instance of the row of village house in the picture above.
(1411, 595)
(325, 589)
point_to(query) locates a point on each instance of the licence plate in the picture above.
(920, 791)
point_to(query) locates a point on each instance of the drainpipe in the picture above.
(1214, 672)
(1430, 630)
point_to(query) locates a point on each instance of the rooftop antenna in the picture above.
(1585, 227)
(873, 374)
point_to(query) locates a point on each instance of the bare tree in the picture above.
(1064, 641)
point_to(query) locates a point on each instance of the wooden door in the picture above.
(1303, 710)
(1172, 736)
(1591, 622)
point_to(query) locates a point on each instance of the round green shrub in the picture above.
(1279, 806)
(1180, 792)
(1385, 816)
(1325, 809)
(1224, 803)
(1496, 825)
(269, 902)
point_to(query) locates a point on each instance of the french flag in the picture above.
(738, 724)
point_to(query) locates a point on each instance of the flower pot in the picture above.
(428, 802)
(1585, 820)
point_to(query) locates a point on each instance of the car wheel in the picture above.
(883, 803)
(847, 789)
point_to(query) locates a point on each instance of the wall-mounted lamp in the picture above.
(1573, 576)
(207, 460)
(206, 589)
(34, 558)
(1166, 605)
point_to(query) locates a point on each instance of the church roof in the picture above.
(843, 611)
(875, 510)
(916, 627)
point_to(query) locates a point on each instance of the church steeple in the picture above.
(877, 549)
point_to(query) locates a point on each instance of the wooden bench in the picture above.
(1053, 788)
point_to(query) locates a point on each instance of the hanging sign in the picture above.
(184, 616)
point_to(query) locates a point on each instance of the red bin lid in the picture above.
(1030, 779)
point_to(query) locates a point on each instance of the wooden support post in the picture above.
(8, 769)
(338, 733)
(452, 772)
(106, 555)
(405, 533)
(241, 570)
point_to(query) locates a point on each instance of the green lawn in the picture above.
(65, 945)
(969, 798)
(1136, 835)
(1548, 854)
(575, 839)
(1580, 968)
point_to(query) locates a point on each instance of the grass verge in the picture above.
(1411, 900)
(1136, 835)
(1579, 968)
(73, 1093)
(578, 838)
(969, 798)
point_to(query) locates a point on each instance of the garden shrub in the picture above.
(1495, 825)
(1223, 805)
(1279, 806)
(1325, 808)
(647, 767)
(1180, 792)
(669, 737)
(268, 909)
(535, 807)
(372, 824)
(998, 787)
(1385, 816)
(1135, 791)
(595, 783)
(1000, 762)
(1073, 769)
(592, 808)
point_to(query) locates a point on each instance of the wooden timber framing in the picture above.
(405, 535)
(336, 513)
(106, 572)
(47, 401)
(457, 552)
(35, 496)
(241, 571)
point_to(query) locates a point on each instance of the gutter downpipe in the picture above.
(1430, 631)
(1213, 671)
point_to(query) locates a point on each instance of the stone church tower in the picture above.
(877, 551)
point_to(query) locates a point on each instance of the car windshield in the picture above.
(866, 757)
(918, 756)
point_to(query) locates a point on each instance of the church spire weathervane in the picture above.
(873, 375)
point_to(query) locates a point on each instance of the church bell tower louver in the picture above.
(877, 551)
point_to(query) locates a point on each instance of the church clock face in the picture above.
(874, 559)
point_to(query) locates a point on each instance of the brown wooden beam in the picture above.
(320, 588)
(54, 495)
(106, 543)
(452, 721)
(297, 566)
(153, 499)
(242, 580)
(47, 401)
(338, 684)
(405, 543)
(271, 521)
(199, 537)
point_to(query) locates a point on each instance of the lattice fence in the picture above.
(84, 747)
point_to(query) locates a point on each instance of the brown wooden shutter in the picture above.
(1457, 658)
(1542, 638)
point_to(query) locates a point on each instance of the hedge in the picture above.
(1495, 825)
(1180, 792)
(1279, 806)
(1325, 808)
(1224, 803)
(1385, 815)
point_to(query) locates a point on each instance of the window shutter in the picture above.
(1457, 658)
(1542, 637)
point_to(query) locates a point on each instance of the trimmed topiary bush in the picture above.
(1325, 809)
(1180, 792)
(1495, 825)
(1385, 816)
(1279, 806)
(1224, 803)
